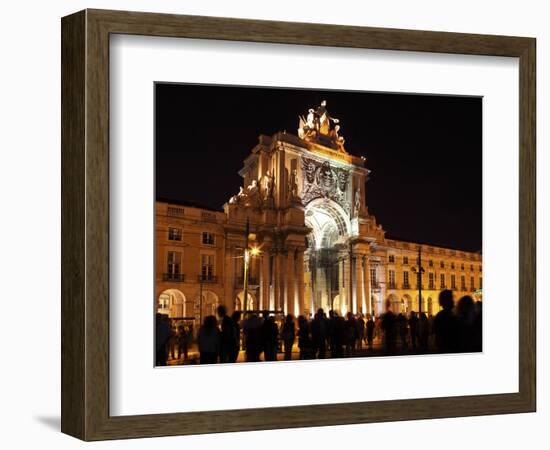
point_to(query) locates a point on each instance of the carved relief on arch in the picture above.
(322, 180)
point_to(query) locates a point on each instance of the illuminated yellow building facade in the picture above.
(303, 197)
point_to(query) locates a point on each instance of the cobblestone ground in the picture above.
(376, 350)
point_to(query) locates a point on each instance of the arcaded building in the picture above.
(315, 243)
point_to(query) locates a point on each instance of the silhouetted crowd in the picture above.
(455, 328)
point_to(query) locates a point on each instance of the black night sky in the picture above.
(424, 151)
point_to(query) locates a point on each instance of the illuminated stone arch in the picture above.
(172, 302)
(417, 304)
(430, 307)
(250, 305)
(407, 300)
(377, 308)
(210, 302)
(393, 303)
(328, 221)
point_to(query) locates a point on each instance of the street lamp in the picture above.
(248, 252)
(419, 273)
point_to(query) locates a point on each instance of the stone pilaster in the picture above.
(229, 279)
(300, 302)
(290, 281)
(358, 301)
(368, 286)
(264, 281)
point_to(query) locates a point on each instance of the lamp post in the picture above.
(419, 273)
(248, 252)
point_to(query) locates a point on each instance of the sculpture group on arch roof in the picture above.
(317, 124)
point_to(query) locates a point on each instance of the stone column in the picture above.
(264, 281)
(370, 306)
(281, 280)
(276, 282)
(365, 303)
(341, 283)
(229, 279)
(358, 280)
(290, 280)
(299, 264)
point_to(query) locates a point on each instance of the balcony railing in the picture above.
(207, 279)
(392, 286)
(375, 285)
(179, 277)
(406, 286)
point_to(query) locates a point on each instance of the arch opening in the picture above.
(172, 302)
(327, 268)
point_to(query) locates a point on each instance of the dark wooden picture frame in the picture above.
(85, 224)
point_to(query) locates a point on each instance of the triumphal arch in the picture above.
(303, 197)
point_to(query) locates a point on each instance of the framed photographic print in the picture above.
(270, 224)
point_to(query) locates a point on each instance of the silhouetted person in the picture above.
(445, 326)
(269, 334)
(389, 328)
(338, 335)
(423, 332)
(370, 331)
(236, 339)
(209, 341)
(360, 322)
(288, 335)
(402, 327)
(350, 334)
(252, 338)
(413, 328)
(173, 342)
(467, 318)
(183, 342)
(319, 335)
(304, 342)
(162, 335)
(226, 333)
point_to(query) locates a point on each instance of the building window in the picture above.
(472, 267)
(174, 234)
(431, 263)
(173, 266)
(392, 279)
(207, 238)
(175, 212)
(472, 284)
(480, 283)
(453, 266)
(391, 258)
(373, 277)
(207, 267)
(480, 268)
(442, 264)
(406, 280)
(431, 281)
(453, 282)
(405, 260)
(442, 281)
(462, 267)
(463, 282)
